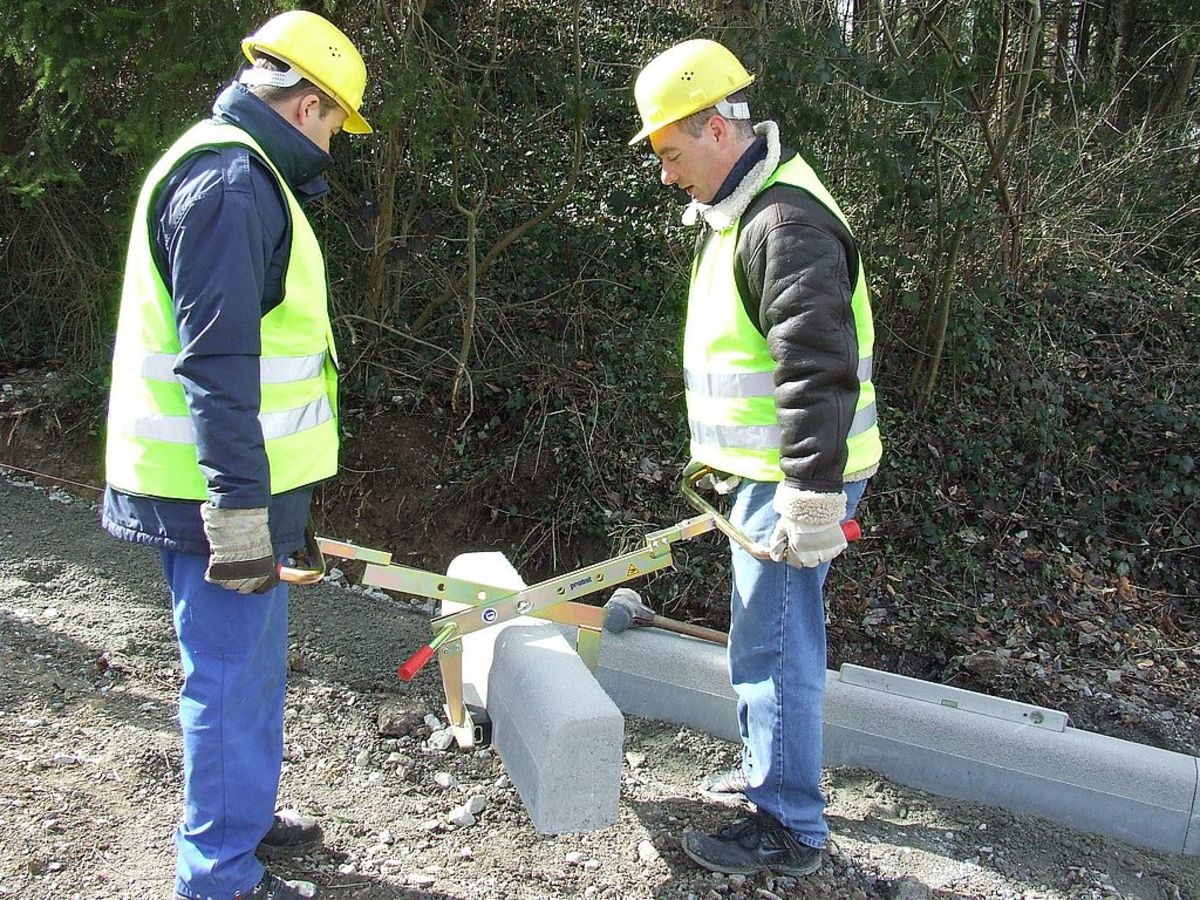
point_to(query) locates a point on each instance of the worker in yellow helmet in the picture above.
(780, 403)
(222, 419)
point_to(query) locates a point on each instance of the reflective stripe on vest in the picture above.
(746, 384)
(278, 370)
(765, 437)
(178, 429)
(151, 447)
(729, 373)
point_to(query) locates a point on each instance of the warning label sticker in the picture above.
(632, 570)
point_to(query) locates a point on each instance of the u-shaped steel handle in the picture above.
(692, 476)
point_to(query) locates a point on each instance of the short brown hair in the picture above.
(271, 94)
(694, 124)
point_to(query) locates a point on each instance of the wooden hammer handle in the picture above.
(697, 631)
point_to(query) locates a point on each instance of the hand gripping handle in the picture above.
(691, 477)
(316, 559)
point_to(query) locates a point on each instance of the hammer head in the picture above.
(625, 609)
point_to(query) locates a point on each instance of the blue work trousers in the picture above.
(234, 652)
(777, 665)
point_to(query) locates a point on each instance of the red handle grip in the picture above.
(852, 530)
(409, 668)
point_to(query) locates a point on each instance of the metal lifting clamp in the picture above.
(552, 600)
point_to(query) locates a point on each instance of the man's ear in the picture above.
(718, 128)
(310, 105)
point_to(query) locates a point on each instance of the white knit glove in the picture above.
(809, 531)
(241, 557)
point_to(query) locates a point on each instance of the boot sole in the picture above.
(725, 798)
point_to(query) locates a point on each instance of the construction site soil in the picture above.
(90, 752)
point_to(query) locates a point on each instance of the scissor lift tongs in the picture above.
(552, 600)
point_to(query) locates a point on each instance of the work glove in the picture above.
(241, 557)
(809, 531)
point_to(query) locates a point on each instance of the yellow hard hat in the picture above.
(683, 80)
(316, 49)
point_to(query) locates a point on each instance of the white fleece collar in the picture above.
(721, 215)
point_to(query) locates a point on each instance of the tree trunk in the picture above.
(1083, 36)
(1060, 64)
(741, 13)
(928, 16)
(1038, 62)
(1172, 97)
(1122, 67)
(814, 13)
(385, 228)
(866, 26)
(1104, 29)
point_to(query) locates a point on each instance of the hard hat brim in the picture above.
(355, 123)
(645, 133)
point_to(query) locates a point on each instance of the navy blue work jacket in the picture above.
(222, 240)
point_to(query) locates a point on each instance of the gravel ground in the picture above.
(90, 757)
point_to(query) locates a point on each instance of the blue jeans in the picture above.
(234, 652)
(777, 667)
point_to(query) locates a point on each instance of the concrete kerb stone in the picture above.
(559, 735)
(671, 678)
(1088, 781)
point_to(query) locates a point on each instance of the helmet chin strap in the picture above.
(733, 110)
(271, 77)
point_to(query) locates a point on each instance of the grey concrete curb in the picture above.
(947, 741)
(557, 732)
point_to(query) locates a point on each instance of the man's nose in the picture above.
(667, 175)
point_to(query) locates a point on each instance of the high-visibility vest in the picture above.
(151, 445)
(728, 370)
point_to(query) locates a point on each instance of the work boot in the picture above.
(272, 887)
(756, 843)
(291, 834)
(725, 787)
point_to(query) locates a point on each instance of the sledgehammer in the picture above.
(625, 609)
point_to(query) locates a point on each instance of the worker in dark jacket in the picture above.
(780, 404)
(223, 416)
